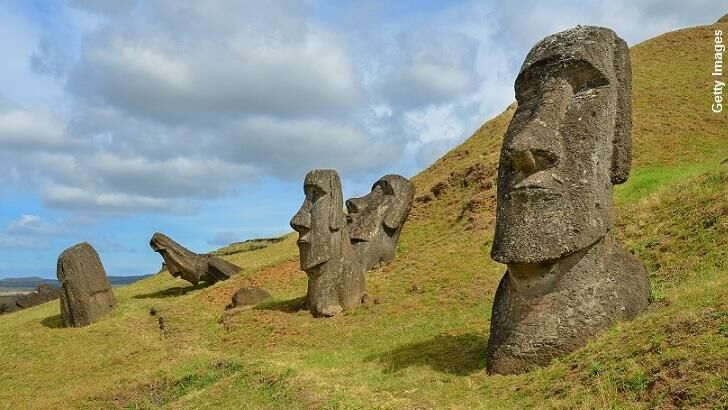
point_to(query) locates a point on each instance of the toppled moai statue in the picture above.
(375, 220)
(86, 293)
(568, 143)
(248, 296)
(192, 267)
(335, 277)
(42, 294)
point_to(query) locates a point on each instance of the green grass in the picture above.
(646, 181)
(423, 345)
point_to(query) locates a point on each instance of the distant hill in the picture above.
(31, 282)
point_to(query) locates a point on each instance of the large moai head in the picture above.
(375, 220)
(568, 143)
(320, 220)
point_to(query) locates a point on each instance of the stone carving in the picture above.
(42, 294)
(335, 277)
(568, 143)
(247, 297)
(86, 293)
(375, 220)
(192, 267)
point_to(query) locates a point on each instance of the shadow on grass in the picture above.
(53, 322)
(287, 306)
(171, 292)
(460, 355)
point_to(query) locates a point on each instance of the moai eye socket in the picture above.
(314, 192)
(582, 75)
(383, 187)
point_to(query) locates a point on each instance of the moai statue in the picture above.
(568, 143)
(335, 277)
(85, 290)
(42, 294)
(192, 267)
(375, 220)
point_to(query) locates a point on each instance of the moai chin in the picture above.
(568, 143)
(335, 277)
(375, 220)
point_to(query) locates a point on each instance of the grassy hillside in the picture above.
(423, 344)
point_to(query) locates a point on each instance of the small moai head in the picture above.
(383, 211)
(175, 256)
(320, 220)
(568, 143)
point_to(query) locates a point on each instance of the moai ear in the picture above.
(397, 213)
(622, 143)
(337, 203)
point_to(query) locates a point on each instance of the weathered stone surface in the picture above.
(86, 293)
(335, 277)
(568, 143)
(192, 267)
(375, 220)
(42, 294)
(248, 296)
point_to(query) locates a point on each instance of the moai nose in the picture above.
(301, 221)
(537, 145)
(353, 205)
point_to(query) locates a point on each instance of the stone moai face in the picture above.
(568, 143)
(375, 220)
(86, 293)
(335, 277)
(190, 266)
(320, 219)
(175, 257)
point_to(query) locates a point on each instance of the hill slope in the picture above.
(423, 345)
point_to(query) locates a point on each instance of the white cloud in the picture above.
(427, 67)
(147, 67)
(168, 177)
(18, 39)
(289, 148)
(634, 21)
(30, 231)
(61, 196)
(169, 102)
(28, 224)
(25, 129)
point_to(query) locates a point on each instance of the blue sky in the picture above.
(200, 118)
